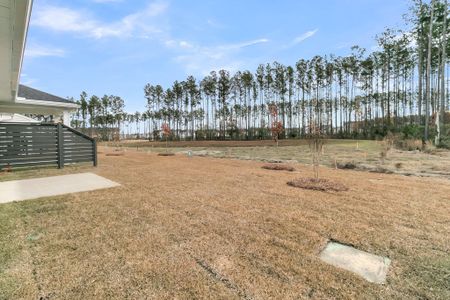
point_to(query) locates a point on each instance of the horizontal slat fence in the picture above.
(27, 145)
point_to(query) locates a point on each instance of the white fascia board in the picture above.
(46, 103)
(20, 39)
(32, 109)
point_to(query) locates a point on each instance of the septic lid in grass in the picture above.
(372, 267)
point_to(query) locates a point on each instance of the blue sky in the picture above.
(117, 46)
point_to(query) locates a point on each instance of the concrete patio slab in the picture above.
(371, 267)
(18, 190)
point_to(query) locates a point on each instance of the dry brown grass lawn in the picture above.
(362, 155)
(200, 227)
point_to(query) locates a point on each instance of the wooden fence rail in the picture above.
(27, 145)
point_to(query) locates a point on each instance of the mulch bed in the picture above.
(278, 167)
(346, 166)
(320, 184)
(166, 154)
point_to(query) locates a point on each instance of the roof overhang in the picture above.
(39, 107)
(16, 118)
(14, 21)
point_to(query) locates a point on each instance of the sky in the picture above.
(118, 46)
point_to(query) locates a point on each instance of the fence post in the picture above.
(94, 150)
(60, 135)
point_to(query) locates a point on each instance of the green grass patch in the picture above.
(10, 247)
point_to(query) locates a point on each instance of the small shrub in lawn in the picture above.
(278, 167)
(408, 144)
(166, 133)
(277, 127)
(388, 143)
(316, 140)
(6, 169)
(318, 184)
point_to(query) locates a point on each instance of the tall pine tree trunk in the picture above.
(443, 63)
(428, 77)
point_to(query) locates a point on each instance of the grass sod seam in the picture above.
(217, 276)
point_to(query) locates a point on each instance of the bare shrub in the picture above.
(278, 167)
(408, 144)
(7, 168)
(381, 170)
(318, 184)
(388, 143)
(383, 156)
(166, 133)
(316, 140)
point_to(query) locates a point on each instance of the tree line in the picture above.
(399, 87)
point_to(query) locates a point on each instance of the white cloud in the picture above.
(215, 24)
(248, 43)
(304, 37)
(42, 51)
(201, 60)
(62, 19)
(174, 44)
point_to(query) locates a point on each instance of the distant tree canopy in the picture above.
(365, 94)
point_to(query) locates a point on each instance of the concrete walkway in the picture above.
(18, 190)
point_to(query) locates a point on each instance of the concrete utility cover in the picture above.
(372, 267)
(18, 190)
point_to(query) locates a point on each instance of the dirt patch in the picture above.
(278, 167)
(320, 184)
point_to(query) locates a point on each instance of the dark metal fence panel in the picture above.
(25, 145)
(78, 147)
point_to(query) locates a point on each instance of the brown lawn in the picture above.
(200, 227)
(362, 155)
